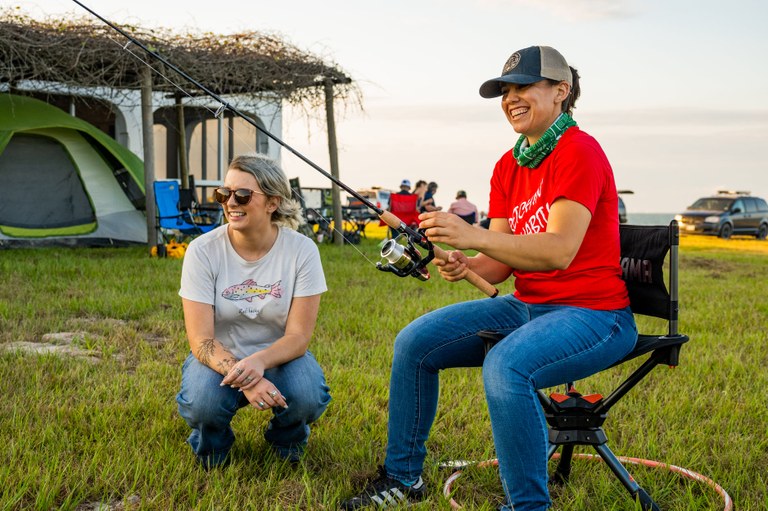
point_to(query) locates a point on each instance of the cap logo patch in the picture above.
(512, 63)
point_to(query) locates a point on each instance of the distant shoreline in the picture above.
(650, 218)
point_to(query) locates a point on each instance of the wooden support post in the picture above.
(220, 163)
(338, 237)
(148, 140)
(182, 144)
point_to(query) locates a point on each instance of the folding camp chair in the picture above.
(577, 420)
(204, 213)
(306, 225)
(176, 212)
(404, 207)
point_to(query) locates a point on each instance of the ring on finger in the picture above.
(273, 393)
(261, 404)
(248, 379)
(239, 371)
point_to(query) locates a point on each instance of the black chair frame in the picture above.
(575, 419)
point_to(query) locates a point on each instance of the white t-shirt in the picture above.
(251, 299)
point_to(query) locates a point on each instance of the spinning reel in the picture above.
(402, 257)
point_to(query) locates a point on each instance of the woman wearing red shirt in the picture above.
(555, 228)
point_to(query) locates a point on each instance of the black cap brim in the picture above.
(492, 88)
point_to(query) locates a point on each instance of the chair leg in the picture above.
(551, 450)
(164, 238)
(646, 502)
(563, 470)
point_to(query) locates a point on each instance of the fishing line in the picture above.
(332, 225)
(407, 260)
(217, 113)
(232, 132)
(224, 105)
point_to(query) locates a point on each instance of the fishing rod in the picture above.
(401, 253)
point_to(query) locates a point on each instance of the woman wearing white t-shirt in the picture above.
(251, 293)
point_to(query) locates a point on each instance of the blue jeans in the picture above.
(545, 345)
(209, 408)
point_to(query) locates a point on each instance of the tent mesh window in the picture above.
(127, 184)
(41, 186)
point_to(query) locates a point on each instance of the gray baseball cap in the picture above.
(529, 65)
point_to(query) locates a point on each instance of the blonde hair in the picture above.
(273, 182)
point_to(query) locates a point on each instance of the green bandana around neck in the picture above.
(532, 156)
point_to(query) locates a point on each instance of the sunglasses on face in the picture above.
(242, 195)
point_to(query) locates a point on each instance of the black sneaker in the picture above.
(292, 454)
(385, 492)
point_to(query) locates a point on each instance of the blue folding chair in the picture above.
(178, 216)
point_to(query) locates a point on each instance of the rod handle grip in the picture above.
(473, 278)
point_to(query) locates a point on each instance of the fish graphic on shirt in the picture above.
(249, 290)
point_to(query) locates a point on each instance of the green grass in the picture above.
(75, 432)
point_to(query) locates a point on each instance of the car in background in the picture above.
(622, 207)
(725, 214)
(376, 195)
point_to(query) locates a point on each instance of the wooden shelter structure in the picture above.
(84, 66)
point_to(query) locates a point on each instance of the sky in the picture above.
(673, 90)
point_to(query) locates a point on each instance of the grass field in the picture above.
(99, 429)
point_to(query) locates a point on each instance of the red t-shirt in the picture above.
(577, 170)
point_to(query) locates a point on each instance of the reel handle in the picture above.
(473, 278)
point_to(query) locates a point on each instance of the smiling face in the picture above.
(531, 109)
(257, 214)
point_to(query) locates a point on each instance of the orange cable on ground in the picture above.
(727, 501)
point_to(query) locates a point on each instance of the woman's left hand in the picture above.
(454, 268)
(245, 374)
(447, 228)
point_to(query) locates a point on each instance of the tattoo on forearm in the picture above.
(206, 350)
(206, 354)
(226, 364)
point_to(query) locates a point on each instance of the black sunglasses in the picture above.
(242, 195)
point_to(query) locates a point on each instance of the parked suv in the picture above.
(725, 214)
(622, 207)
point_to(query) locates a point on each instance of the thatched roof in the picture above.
(86, 53)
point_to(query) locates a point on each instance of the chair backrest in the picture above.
(404, 207)
(643, 251)
(310, 215)
(296, 191)
(188, 196)
(167, 199)
(169, 216)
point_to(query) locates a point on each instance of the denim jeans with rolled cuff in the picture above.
(545, 345)
(208, 408)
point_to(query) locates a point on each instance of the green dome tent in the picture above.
(65, 182)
